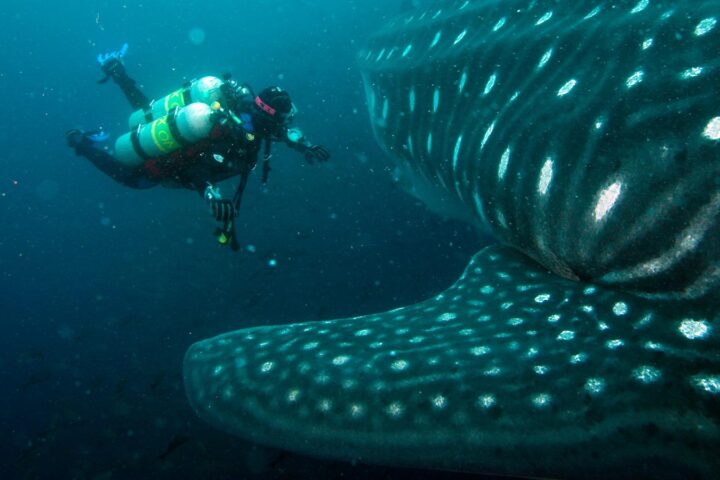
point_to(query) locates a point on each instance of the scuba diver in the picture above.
(208, 131)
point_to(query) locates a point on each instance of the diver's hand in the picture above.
(316, 152)
(223, 210)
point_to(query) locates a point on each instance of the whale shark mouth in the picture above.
(586, 137)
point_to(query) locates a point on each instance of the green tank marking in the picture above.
(162, 137)
(175, 99)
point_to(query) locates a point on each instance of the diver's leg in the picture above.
(114, 69)
(129, 176)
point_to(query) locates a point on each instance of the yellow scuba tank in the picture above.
(205, 90)
(182, 126)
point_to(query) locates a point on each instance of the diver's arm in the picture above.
(295, 139)
(112, 67)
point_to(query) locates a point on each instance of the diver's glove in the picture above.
(110, 63)
(316, 152)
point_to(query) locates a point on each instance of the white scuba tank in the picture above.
(182, 126)
(205, 90)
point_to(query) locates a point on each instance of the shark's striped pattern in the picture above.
(584, 134)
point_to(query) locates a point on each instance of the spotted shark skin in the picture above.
(511, 370)
(586, 137)
(584, 134)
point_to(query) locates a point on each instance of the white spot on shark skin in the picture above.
(446, 317)
(486, 137)
(578, 358)
(592, 13)
(459, 38)
(544, 18)
(705, 26)
(363, 333)
(267, 367)
(436, 100)
(707, 383)
(642, 5)
(614, 344)
(667, 14)
(546, 175)
(311, 345)
(594, 386)
(293, 396)
(500, 23)
(429, 142)
(541, 400)
(542, 298)
(218, 370)
(712, 130)
(340, 360)
(490, 84)
(545, 59)
(657, 347)
(436, 39)
(635, 79)
(411, 99)
(439, 402)
(486, 401)
(504, 161)
(691, 73)
(480, 351)
(646, 374)
(456, 152)
(566, 335)
(565, 89)
(463, 81)
(324, 405)
(648, 43)
(694, 329)
(400, 365)
(540, 369)
(620, 309)
(607, 199)
(395, 410)
(357, 411)
(554, 318)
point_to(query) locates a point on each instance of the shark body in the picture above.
(586, 137)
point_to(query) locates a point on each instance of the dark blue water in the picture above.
(102, 288)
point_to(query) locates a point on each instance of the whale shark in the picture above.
(585, 136)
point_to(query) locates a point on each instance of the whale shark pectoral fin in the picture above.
(510, 370)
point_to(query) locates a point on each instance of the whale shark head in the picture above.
(586, 137)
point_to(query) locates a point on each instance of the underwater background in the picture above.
(103, 288)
